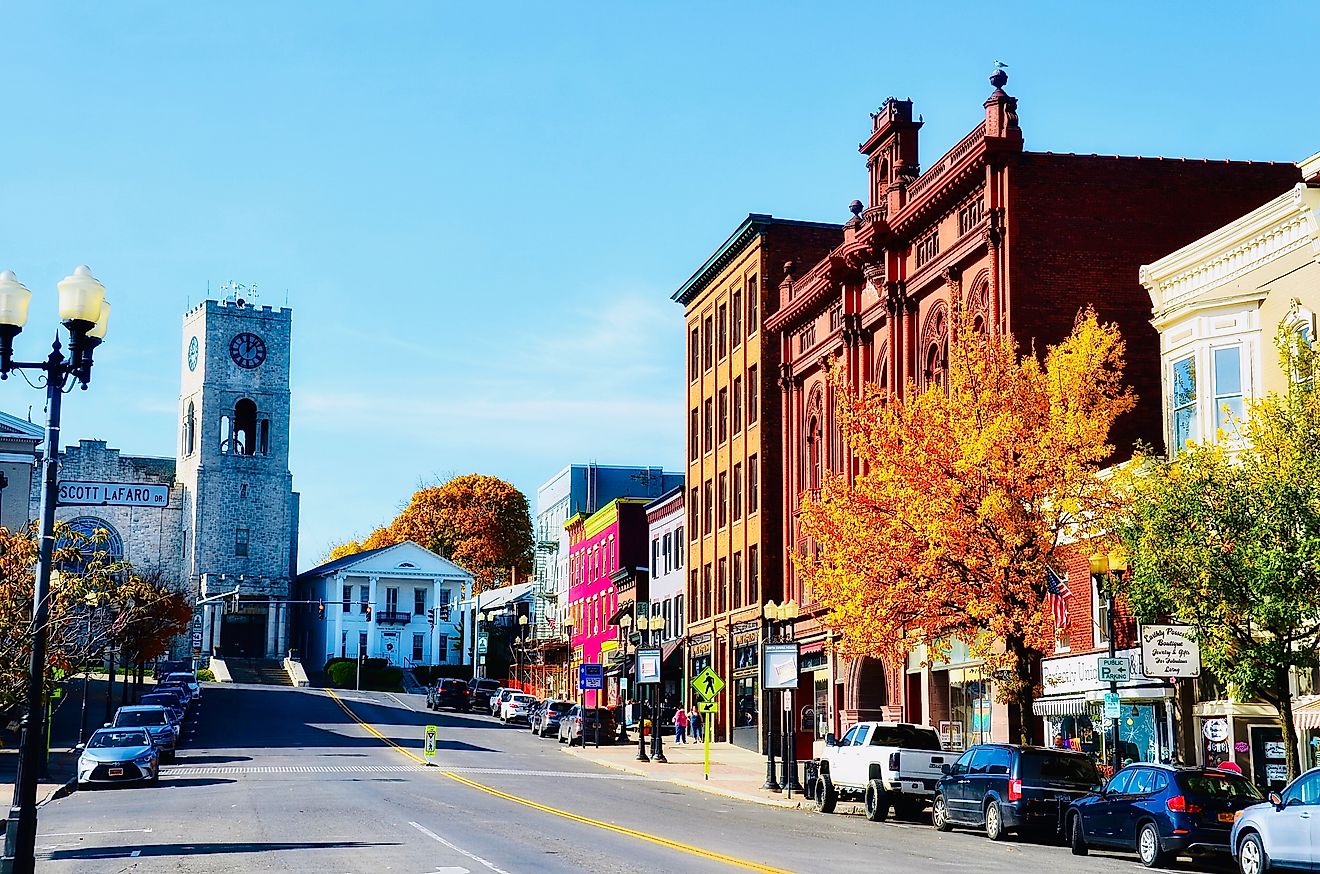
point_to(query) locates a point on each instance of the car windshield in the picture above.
(1218, 785)
(1058, 768)
(561, 707)
(141, 717)
(162, 700)
(907, 736)
(181, 678)
(113, 739)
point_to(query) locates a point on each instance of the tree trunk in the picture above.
(1023, 687)
(1283, 692)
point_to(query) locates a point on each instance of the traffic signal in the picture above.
(444, 612)
(369, 609)
(430, 616)
(320, 610)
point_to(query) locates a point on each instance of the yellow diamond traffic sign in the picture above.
(707, 684)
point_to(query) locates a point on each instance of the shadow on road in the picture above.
(148, 850)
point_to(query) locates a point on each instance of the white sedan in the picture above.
(515, 707)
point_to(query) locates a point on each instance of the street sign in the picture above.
(428, 745)
(591, 676)
(113, 494)
(708, 707)
(1111, 705)
(707, 684)
(1112, 670)
(648, 666)
(609, 645)
(481, 643)
(196, 639)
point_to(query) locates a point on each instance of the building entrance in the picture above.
(243, 635)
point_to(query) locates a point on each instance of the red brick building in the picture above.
(1024, 240)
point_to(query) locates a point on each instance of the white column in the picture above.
(282, 631)
(338, 593)
(371, 624)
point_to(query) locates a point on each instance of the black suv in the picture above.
(1005, 788)
(479, 692)
(449, 693)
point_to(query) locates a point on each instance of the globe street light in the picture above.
(1106, 570)
(656, 624)
(84, 312)
(625, 624)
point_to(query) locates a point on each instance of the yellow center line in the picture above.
(526, 802)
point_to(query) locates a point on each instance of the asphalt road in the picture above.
(287, 780)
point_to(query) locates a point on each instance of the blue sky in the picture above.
(479, 212)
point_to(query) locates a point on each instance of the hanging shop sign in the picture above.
(1170, 651)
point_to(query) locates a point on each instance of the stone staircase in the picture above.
(261, 672)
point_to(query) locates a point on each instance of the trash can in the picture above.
(810, 771)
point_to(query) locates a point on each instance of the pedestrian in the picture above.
(698, 730)
(680, 726)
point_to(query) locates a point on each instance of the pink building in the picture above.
(608, 572)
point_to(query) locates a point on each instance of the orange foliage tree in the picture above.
(481, 523)
(963, 493)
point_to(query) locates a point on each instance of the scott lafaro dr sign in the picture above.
(113, 494)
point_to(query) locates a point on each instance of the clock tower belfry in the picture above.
(240, 511)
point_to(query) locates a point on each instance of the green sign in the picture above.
(707, 684)
(481, 643)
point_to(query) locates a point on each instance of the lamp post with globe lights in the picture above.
(84, 312)
(1108, 570)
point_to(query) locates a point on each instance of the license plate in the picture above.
(116, 772)
(1227, 817)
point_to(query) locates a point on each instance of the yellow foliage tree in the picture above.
(963, 494)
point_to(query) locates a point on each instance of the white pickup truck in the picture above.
(885, 764)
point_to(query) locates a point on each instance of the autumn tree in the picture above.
(963, 494)
(1225, 536)
(481, 523)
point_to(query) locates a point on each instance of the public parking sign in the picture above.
(1112, 670)
(591, 676)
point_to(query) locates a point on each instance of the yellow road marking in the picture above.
(527, 802)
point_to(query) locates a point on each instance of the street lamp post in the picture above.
(625, 624)
(1107, 570)
(84, 312)
(522, 649)
(771, 612)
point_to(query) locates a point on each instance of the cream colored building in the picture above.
(1218, 304)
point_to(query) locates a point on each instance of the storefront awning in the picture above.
(1307, 716)
(668, 649)
(1072, 705)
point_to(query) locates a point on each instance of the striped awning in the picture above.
(1071, 705)
(1307, 716)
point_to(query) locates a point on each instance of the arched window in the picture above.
(245, 427)
(882, 367)
(94, 538)
(189, 430)
(978, 303)
(226, 434)
(935, 342)
(813, 453)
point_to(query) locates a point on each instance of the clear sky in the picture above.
(479, 211)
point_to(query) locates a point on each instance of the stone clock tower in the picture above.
(240, 514)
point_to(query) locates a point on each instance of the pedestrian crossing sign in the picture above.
(707, 684)
(708, 707)
(429, 744)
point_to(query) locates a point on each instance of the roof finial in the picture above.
(999, 78)
(856, 207)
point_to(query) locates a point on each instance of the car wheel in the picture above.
(1251, 855)
(939, 815)
(994, 822)
(1077, 836)
(877, 801)
(1148, 847)
(826, 795)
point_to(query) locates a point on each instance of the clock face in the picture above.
(192, 354)
(248, 350)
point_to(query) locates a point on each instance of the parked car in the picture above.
(481, 690)
(1005, 788)
(183, 691)
(1282, 833)
(548, 717)
(155, 719)
(449, 693)
(118, 755)
(1160, 811)
(533, 712)
(497, 700)
(516, 707)
(187, 678)
(884, 764)
(578, 726)
(170, 702)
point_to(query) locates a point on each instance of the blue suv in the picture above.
(1161, 811)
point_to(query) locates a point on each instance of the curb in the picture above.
(689, 784)
(59, 792)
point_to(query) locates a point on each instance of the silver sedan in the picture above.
(119, 755)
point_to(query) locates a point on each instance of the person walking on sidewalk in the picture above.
(680, 726)
(694, 723)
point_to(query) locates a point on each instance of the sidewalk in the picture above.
(734, 771)
(59, 777)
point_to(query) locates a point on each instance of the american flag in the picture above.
(1056, 595)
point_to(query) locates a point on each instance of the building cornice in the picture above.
(1286, 223)
(751, 228)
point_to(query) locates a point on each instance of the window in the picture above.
(708, 425)
(724, 414)
(364, 598)
(737, 580)
(705, 590)
(928, 247)
(753, 296)
(694, 355)
(680, 546)
(737, 492)
(347, 598)
(189, 429)
(708, 343)
(1119, 785)
(694, 502)
(1143, 782)
(265, 436)
(419, 644)
(419, 602)
(1305, 792)
(226, 435)
(753, 574)
(245, 427)
(737, 404)
(1228, 386)
(678, 616)
(752, 390)
(722, 585)
(442, 649)
(442, 608)
(694, 590)
(392, 600)
(241, 537)
(722, 330)
(1101, 614)
(362, 643)
(1183, 401)
(655, 557)
(668, 550)
(724, 498)
(707, 515)
(694, 436)
(753, 486)
(737, 318)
